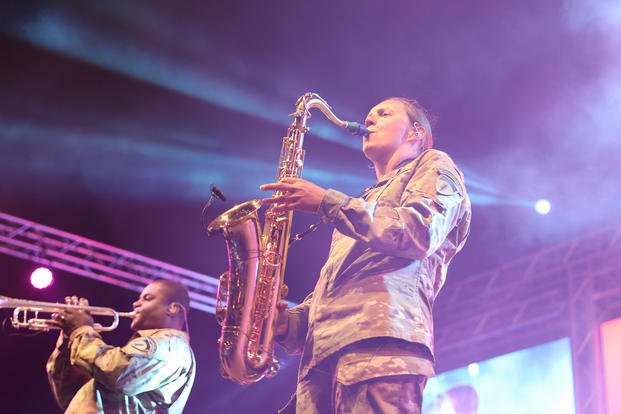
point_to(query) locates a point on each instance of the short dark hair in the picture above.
(417, 114)
(176, 292)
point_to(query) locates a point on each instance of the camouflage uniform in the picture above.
(152, 373)
(388, 259)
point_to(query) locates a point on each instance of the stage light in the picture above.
(473, 369)
(41, 278)
(543, 206)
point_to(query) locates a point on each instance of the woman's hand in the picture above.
(297, 194)
(282, 319)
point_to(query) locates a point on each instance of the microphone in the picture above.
(217, 193)
(356, 129)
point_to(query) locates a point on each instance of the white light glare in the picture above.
(41, 277)
(543, 206)
(473, 369)
(446, 407)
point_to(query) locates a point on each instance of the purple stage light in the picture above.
(41, 278)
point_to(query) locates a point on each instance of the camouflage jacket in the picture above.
(388, 259)
(152, 373)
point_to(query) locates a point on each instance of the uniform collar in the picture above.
(395, 171)
(389, 175)
(150, 332)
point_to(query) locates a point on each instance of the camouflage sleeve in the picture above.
(65, 380)
(412, 224)
(293, 340)
(131, 369)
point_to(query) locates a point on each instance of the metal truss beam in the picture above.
(566, 290)
(84, 257)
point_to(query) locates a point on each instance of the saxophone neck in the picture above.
(312, 100)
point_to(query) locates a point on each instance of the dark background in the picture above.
(115, 117)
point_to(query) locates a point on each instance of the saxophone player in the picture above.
(152, 373)
(365, 333)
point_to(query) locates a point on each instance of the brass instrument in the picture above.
(27, 314)
(254, 284)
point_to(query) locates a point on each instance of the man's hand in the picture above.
(70, 319)
(282, 319)
(298, 194)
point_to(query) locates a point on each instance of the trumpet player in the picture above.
(152, 373)
(365, 333)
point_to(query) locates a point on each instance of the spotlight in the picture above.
(473, 369)
(543, 206)
(41, 278)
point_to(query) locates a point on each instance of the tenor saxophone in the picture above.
(250, 290)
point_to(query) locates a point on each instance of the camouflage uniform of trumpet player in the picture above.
(366, 331)
(153, 373)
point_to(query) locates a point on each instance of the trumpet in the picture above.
(27, 314)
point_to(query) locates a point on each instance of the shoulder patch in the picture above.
(446, 186)
(143, 346)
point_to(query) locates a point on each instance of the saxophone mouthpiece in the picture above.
(356, 129)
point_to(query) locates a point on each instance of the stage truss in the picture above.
(566, 290)
(84, 257)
